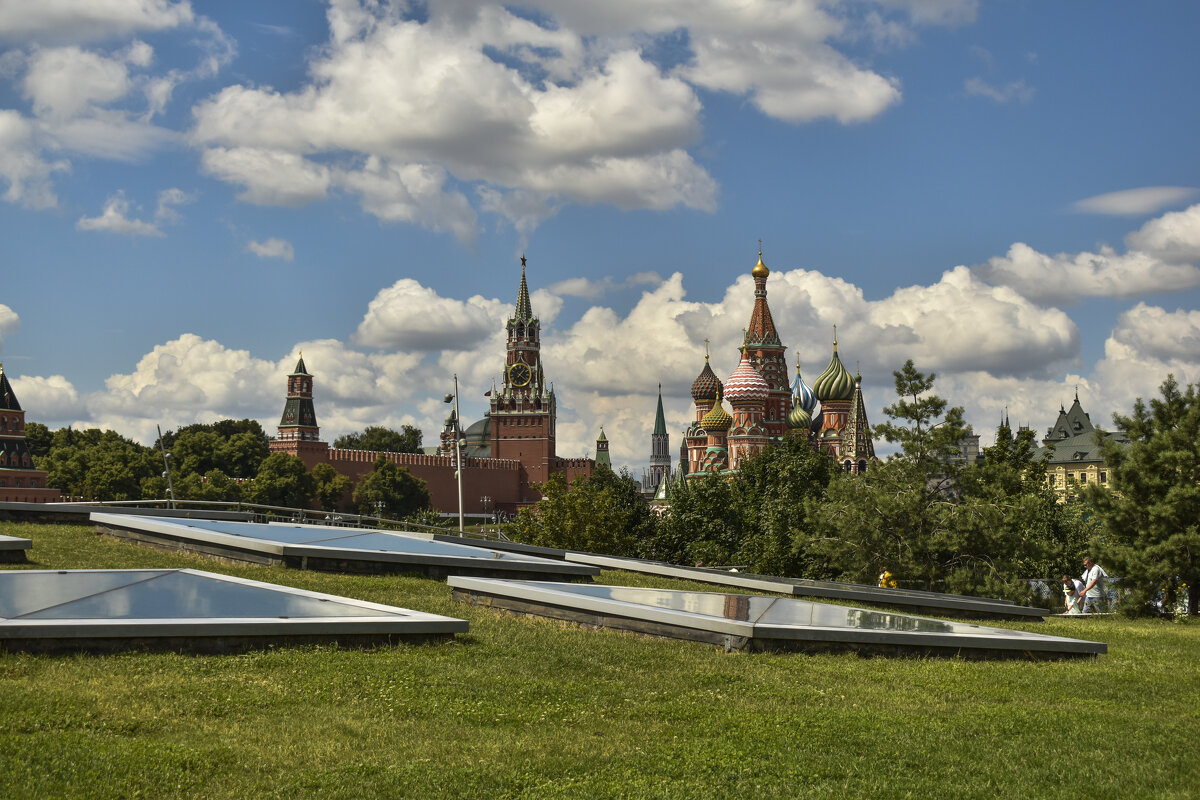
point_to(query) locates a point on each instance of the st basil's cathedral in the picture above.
(830, 415)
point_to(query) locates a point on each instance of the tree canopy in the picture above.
(603, 513)
(1150, 511)
(390, 490)
(282, 480)
(383, 440)
(98, 464)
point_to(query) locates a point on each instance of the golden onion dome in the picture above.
(717, 419)
(760, 269)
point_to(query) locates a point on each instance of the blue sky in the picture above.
(191, 194)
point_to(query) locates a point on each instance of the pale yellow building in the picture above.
(1072, 449)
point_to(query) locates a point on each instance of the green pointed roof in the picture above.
(524, 309)
(835, 382)
(602, 456)
(660, 421)
(300, 368)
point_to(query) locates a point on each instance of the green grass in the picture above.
(525, 707)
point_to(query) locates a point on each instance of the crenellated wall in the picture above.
(497, 480)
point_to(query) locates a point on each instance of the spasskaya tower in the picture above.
(523, 410)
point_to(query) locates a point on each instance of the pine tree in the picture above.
(1151, 510)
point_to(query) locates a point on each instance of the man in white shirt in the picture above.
(1094, 585)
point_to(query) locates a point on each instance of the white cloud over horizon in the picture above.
(992, 350)
(1161, 257)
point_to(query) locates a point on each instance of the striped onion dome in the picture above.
(746, 383)
(835, 383)
(706, 385)
(799, 419)
(717, 419)
(802, 396)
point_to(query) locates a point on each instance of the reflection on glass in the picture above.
(346, 538)
(773, 611)
(167, 595)
(23, 592)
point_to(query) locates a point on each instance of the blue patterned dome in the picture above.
(802, 396)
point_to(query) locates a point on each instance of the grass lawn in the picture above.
(536, 708)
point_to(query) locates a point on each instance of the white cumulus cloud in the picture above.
(22, 166)
(409, 316)
(272, 248)
(10, 321)
(402, 109)
(1067, 277)
(1173, 237)
(115, 219)
(72, 20)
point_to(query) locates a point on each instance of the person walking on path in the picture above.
(1094, 585)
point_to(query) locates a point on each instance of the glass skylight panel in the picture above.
(760, 622)
(107, 610)
(908, 599)
(174, 595)
(25, 591)
(334, 548)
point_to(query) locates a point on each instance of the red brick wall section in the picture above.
(497, 479)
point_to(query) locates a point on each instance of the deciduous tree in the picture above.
(329, 487)
(390, 490)
(382, 440)
(282, 480)
(603, 513)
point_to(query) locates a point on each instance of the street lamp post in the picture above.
(166, 469)
(458, 446)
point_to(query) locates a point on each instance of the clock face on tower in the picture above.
(519, 374)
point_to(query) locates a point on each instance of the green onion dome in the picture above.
(799, 419)
(717, 419)
(835, 383)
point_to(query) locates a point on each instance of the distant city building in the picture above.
(766, 408)
(507, 452)
(1072, 449)
(19, 481)
(968, 450)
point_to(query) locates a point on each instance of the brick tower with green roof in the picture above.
(602, 456)
(298, 432)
